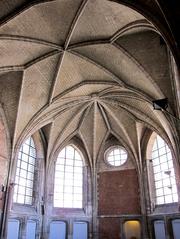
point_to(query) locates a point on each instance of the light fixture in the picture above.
(160, 104)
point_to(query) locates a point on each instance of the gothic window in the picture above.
(24, 180)
(68, 184)
(163, 170)
(116, 156)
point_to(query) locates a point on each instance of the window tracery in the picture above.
(116, 156)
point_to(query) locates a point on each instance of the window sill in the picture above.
(69, 211)
(166, 208)
(19, 208)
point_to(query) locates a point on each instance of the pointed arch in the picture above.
(68, 180)
(162, 178)
(24, 179)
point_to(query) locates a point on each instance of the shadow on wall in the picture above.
(3, 161)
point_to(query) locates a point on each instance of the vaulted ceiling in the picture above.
(81, 67)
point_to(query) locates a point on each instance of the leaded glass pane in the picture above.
(23, 191)
(164, 177)
(68, 179)
(116, 156)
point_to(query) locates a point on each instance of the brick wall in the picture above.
(118, 193)
(109, 228)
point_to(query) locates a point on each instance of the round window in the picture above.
(116, 156)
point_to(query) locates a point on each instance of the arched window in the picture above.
(116, 156)
(23, 190)
(68, 184)
(164, 176)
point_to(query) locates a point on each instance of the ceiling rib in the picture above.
(82, 83)
(118, 105)
(120, 125)
(108, 102)
(115, 36)
(80, 111)
(107, 90)
(127, 95)
(21, 9)
(139, 65)
(86, 149)
(132, 25)
(65, 141)
(30, 40)
(87, 59)
(18, 108)
(121, 49)
(28, 64)
(104, 116)
(41, 58)
(135, 113)
(58, 69)
(88, 43)
(40, 119)
(67, 107)
(86, 111)
(110, 73)
(12, 68)
(74, 23)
